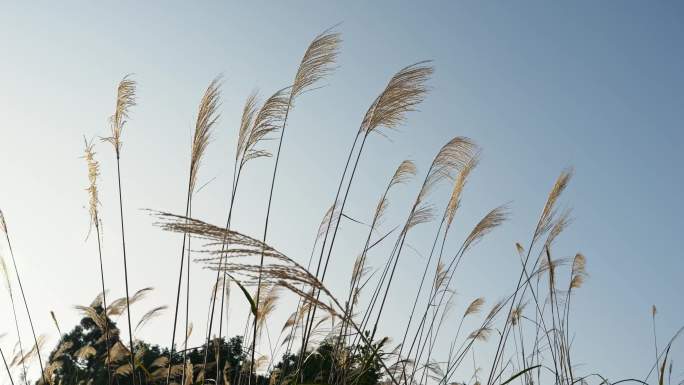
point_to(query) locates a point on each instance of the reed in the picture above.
(4, 229)
(125, 100)
(7, 369)
(256, 125)
(207, 118)
(93, 168)
(405, 90)
(8, 286)
(543, 226)
(316, 64)
(447, 220)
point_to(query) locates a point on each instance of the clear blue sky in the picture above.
(539, 85)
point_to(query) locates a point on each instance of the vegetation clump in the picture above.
(331, 337)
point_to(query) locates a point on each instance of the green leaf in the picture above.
(520, 373)
(252, 304)
(661, 380)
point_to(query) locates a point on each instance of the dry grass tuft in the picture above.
(206, 119)
(579, 273)
(93, 174)
(474, 307)
(317, 62)
(455, 198)
(151, 314)
(125, 99)
(402, 94)
(492, 220)
(547, 215)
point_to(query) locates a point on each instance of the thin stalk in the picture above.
(397, 249)
(364, 339)
(499, 348)
(301, 301)
(545, 217)
(356, 280)
(305, 337)
(389, 283)
(16, 325)
(314, 66)
(522, 285)
(187, 305)
(422, 281)
(104, 298)
(655, 338)
(23, 297)
(453, 264)
(432, 289)
(393, 256)
(220, 340)
(123, 246)
(4, 361)
(337, 224)
(178, 291)
(223, 286)
(539, 315)
(419, 333)
(236, 179)
(268, 214)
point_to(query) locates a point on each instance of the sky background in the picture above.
(540, 86)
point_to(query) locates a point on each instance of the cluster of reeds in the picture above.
(530, 327)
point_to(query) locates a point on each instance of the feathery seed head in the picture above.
(206, 119)
(490, 221)
(455, 198)
(125, 99)
(546, 218)
(402, 94)
(93, 173)
(579, 272)
(474, 307)
(318, 62)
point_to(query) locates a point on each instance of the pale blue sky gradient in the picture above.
(538, 85)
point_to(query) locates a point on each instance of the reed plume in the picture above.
(125, 99)
(474, 307)
(455, 197)
(151, 314)
(492, 220)
(548, 213)
(579, 272)
(206, 120)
